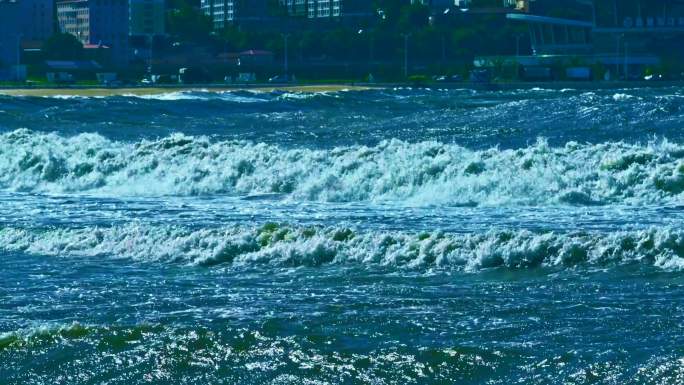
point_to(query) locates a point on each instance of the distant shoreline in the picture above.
(94, 91)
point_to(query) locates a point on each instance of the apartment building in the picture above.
(326, 9)
(22, 21)
(10, 32)
(98, 22)
(146, 17)
(221, 12)
(37, 21)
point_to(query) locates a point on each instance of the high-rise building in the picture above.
(10, 32)
(98, 22)
(226, 12)
(221, 12)
(23, 20)
(111, 23)
(322, 9)
(37, 19)
(146, 17)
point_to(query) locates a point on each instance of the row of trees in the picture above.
(377, 39)
(432, 37)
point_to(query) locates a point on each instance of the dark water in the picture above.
(378, 237)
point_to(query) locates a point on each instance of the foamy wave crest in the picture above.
(418, 173)
(286, 246)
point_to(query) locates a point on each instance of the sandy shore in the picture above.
(162, 90)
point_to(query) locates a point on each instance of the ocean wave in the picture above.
(234, 96)
(47, 333)
(422, 173)
(290, 246)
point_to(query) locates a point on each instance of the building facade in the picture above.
(98, 22)
(256, 13)
(37, 18)
(22, 21)
(146, 17)
(221, 12)
(10, 32)
(113, 23)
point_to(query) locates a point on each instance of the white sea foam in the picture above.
(170, 96)
(418, 173)
(620, 97)
(286, 246)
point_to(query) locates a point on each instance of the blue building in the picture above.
(23, 20)
(98, 22)
(10, 32)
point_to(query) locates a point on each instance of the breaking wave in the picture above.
(286, 246)
(418, 173)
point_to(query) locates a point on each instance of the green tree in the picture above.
(414, 17)
(63, 46)
(276, 8)
(234, 39)
(188, 24)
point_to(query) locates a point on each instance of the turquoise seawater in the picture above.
(397, 236)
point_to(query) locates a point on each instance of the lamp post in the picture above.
(19, 36)
(151, 58)
(406, 57)
(445, 13)
(286, 63)
(617, 55)
(626, 62)
(371, 48)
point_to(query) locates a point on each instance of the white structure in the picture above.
(222, 12)
(314, 8)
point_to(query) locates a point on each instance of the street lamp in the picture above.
(406, 58)
(19, 36)
(617, 56)
(626, 62)
(286, 64)
(371, 55)
(151, 58)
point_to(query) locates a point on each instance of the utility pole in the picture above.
(443, 49)
(626, 62)
(151, 58)
(617, 56)
(286, 63)
(406, 40)
(19, 49)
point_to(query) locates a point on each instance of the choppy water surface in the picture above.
(391, 236)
